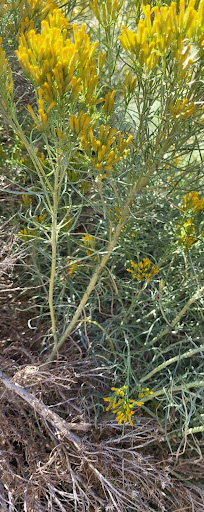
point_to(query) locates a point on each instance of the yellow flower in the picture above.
(191, 201)
(108, 149)
(188, 229)
(72, 267)
(164, 29)
(88, 241)
(80, 124)
(106, 12)
(26, 234)
(34, 11)
(26, 200)
(109, 102)
(183, 109)
(5, 79)
(145, 392)
(143, 270)
(40, 218)
(187, 233)
(101, 60)
(121, 405)
(129, 85)
(57, 65)
(142, 51)
(117, 213)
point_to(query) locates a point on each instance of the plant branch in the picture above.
(54, 236)
(61, 426)
(111, 246)
(189, 353)
(178, 317)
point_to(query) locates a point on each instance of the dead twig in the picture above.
(62, 428)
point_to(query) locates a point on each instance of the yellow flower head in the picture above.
(88, 241)
(145, 392)
(34, 11)
(187, 233)
(72, 267)
(80, 124)
(5, 78)
(188, 230)
(57, 65)
(26, 200)
(122, 405)
(143, 270)
(40, 218)
(192, 202)
(109, 102)
(129, 85)
(108, 148)
(183, 109)
(162, 29)
(26, 234)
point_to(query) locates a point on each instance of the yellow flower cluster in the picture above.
(26, 234)
(122, 405)
(101, 60)
(143, 270)
(56, 65)
(34, 11)
(188, 231)
(109, 102)
(40, 218)
(145, 392)
(86, 64)
(183, 109)
(129, 85)
(26, 201)
(108, 149)
(110, 146)
(80, 124)
(163, 29)
(116, 212)
(106, 12)
(6, 80)
(88, 241)
(72, 267)
(192, 202)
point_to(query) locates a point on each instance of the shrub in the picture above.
(112, 203)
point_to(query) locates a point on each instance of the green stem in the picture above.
(54, 236)
(124, 216)
(125, 213)
(178, 317)
(134, 301)
(189, 353)
(188, 385)
(88, 320)
(36, 162)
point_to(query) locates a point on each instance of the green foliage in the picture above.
(104, 157)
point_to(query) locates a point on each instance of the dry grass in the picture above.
(54, 457)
